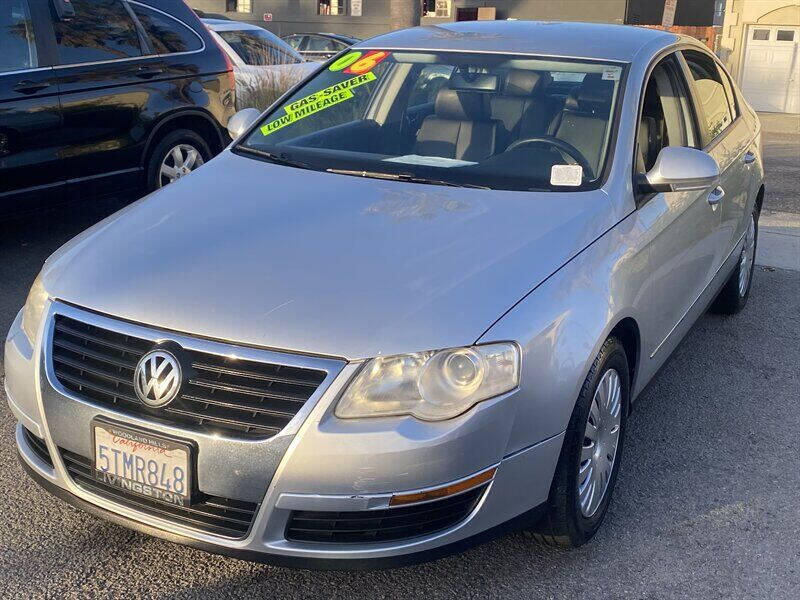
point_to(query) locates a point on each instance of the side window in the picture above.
(714, 109)
(320, 44)
(16, 37)
(430, 81)
(666, 115)
(295, 41)
(165, 34)
(726, 83)
(100, 30)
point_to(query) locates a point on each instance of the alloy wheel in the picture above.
(178, 162)
(600, 443)
(747, 257)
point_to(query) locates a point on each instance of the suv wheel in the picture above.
(587, 468)
(179, 153)
(733, 296)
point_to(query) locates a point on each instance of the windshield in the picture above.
(449, 118)
(260, 47)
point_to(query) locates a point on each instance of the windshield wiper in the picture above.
(405, 177)
(278, 159)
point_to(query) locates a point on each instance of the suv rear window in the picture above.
(101, 30)
(165, 34)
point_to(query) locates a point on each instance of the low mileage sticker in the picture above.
(313, 103)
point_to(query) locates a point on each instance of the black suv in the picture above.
(101, 96)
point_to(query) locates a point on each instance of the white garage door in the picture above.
(771, 77)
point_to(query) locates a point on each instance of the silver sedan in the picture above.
(410, 306)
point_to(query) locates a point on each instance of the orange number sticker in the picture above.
(366, 62)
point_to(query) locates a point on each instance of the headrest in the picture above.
(461, 106)
(593, 91)
(521, 83)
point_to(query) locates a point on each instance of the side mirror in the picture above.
(680, 169)
(64, 9)
(241, 121)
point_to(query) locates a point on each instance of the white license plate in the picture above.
(142, 463)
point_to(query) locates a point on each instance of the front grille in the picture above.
(212, 514)
(221, 395)
(38, 446)
(382, 525)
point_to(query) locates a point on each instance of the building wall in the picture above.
(739, 14)
(291, 16)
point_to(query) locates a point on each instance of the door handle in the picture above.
(749, 157)
(30, 87)
(716, 196)
(149, 72)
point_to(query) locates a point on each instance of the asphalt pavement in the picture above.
(707, 502)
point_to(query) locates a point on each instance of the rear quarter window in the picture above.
(165, 34)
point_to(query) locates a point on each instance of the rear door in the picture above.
(105, 71)
(30, 118)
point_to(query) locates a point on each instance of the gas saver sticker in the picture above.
(313, 103)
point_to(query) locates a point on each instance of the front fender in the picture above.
(562, 324)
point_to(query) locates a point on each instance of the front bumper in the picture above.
(317, 463)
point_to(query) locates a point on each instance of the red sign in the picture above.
(267, 17)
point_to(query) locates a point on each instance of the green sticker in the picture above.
(313, 103)
(345, 61)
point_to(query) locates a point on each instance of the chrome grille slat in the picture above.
(237, 397)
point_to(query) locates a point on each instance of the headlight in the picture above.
(34, 309)
(432, 385)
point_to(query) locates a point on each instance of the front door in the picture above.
(683, 226)
(30, 119)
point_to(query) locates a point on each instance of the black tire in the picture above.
(731, 299)
(563, 523)
(164, 147)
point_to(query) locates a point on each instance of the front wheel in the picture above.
(587, 468)
(179, 153)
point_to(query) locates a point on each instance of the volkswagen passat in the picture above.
(409, 307)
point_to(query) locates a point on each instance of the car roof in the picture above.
(597, 41)
(336, 36)
(224, 25)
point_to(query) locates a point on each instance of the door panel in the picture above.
(30, 118)
(104, 85)
(684, 227)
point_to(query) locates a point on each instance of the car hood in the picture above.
(260, 254)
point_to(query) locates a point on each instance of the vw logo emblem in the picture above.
(157, 378)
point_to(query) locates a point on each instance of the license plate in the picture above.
(142, 463)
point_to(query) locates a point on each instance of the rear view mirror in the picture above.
(679, 169)
(64, 9)
(241, 121)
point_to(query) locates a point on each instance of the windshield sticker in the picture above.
(313, 103)
(568, 175)
(430, 161)
(354, 63)
(612, 73)
(344, 61)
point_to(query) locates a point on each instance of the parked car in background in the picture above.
(264, 65)
(394, 318)
(103, 95)
(319, 46)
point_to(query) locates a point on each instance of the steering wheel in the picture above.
(560, 145)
